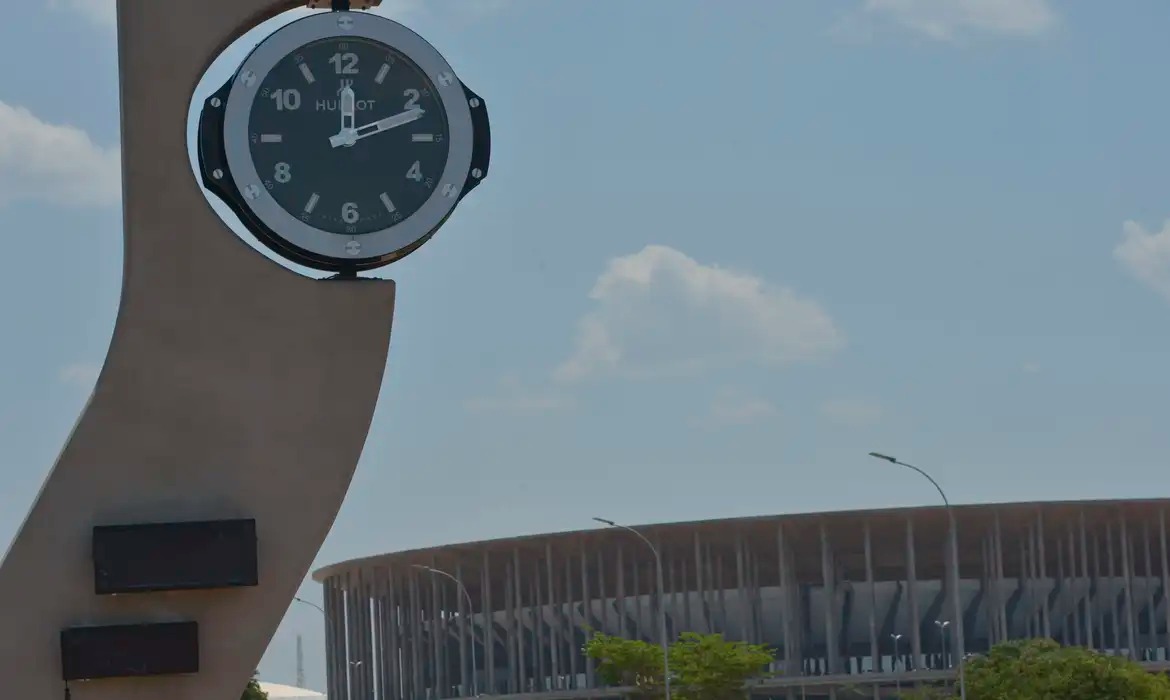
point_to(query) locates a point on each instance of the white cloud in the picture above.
(852, 412)
(945, 20)
(731, 407)
(1146, 255)
(659, 312)
(512, 397)
(54, 163)
(82, 375)
(101, 12)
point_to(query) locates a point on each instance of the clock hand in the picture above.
(348, 138)
(348, 107)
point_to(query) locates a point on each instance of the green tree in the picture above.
(702, 667)
(1041, 669)
(253, 691)
(627, 662)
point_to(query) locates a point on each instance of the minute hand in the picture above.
(376, 127)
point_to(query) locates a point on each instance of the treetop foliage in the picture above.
(702, 666)
(1042, 669)
(253, 691)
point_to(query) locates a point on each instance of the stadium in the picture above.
(854, 604)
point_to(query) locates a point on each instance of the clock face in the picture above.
(349, 135)
(346, 141)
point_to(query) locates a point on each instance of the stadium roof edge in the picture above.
(389, 557)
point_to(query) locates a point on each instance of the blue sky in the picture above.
(725, 250)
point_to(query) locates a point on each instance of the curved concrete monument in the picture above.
(233, 388)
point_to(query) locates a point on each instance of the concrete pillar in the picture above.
(194, 406)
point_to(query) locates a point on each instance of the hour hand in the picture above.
(347, 138)
(348, 107)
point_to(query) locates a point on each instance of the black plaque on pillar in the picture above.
(123, 651)
(174, 556)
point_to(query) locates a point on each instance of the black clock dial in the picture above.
(340, 172)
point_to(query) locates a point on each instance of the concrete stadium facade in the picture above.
(828, 592)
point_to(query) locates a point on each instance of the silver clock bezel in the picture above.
(237, 144)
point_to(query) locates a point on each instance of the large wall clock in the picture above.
(343, 141)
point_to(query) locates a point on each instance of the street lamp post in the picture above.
(954, 542)
(661, 602)
(302, 601)
(897, 678)
(350, 665)
(942, 634)
(470, 609)
(321, 610)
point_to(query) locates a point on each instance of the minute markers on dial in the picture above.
(312, 203)
(308, 73)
